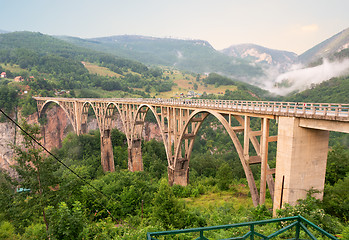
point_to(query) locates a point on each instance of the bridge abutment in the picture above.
(107, 156)
(300, 162)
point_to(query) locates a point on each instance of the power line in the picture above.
(71, 170)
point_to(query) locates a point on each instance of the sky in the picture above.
(291, 25)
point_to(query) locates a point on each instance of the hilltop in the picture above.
(263, 55)
(327, 48)
(197, 56)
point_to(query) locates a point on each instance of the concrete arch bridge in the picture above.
(302, 139)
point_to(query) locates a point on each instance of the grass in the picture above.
(102, 71)
(185, 82)
(12, 68)
(237, 195)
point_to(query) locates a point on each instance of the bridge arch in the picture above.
(180, 163)
(67, 111)
(138, 128)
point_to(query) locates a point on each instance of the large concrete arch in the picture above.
(44, 106)
(138, 131)
(110, 112)
(236, 142)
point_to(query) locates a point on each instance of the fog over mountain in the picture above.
(284, 76)
(303, 78)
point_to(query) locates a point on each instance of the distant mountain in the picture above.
(263, 55)
(38, 42)
(3, 31)
(327, 48)
(191, 55)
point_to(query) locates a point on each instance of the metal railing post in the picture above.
(252, 232)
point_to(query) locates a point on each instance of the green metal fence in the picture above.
(295, 226)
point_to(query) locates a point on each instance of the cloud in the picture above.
(300, 78)
(310, 28)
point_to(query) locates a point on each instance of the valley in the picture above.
(136, 202)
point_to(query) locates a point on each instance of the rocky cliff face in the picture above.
(53, 133)
(7, 137)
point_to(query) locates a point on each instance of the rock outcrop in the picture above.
(56, 127)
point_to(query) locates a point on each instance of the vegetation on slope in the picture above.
(142, 201)
(334, 90)
(139, 202)
(189, 55)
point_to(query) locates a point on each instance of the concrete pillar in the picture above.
(300, 162)
(107, 156)
(179, 177)
(135, 161)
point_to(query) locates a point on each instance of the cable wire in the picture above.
(71, 170)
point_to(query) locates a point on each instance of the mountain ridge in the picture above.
(191, 55)
(327, 48)
(263, 55)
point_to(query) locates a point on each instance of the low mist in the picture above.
(300, 78)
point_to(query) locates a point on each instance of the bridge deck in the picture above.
(325, 111)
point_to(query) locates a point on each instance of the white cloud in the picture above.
(310, 28)
(300, 79)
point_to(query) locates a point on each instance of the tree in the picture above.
(337, 164)
(224, 176)
(35, 172)
(336, 199)
(167, 209)
(66, 223)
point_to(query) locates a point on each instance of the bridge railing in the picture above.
(298, 109)
(331, 111)
(298, 224)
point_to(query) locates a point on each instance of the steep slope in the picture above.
(38, 42)
(334, 90)
(259, 54)
(327, 48)
(192, 55)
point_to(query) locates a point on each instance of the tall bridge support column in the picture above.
(107, 156)
(178, 176)
(135, 161)
(300, 162)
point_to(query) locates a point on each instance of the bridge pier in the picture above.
(107, 156)
(135, 161)
(300, 162)
(178, 176)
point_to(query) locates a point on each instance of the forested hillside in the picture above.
(334, 90)
(190, 55)
(49, 67)
(48, 201)
(126, 205)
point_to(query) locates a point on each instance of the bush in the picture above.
(311, 210)
(35, 232)
(7, 231)
(66, 223)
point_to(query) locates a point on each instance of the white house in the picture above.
(3, 75)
